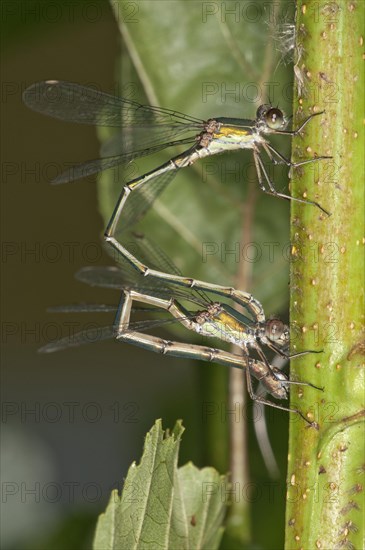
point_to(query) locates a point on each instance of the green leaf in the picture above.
(201, 495)
(162, 506)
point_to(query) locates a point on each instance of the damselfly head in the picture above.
(270, 118)
(277, 332)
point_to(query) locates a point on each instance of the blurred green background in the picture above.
(74, 421)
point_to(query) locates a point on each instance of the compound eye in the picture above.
(274, 118)
(276, 330)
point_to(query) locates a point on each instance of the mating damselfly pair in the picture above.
(204, 138)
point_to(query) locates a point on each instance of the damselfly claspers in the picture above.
(163, 128)
(214, 319)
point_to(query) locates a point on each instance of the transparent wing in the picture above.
(98, 334)
(75, 103)
(95, 308)
(94, 166)
(153, 255)
(125, 276)
(106, 277)
(135, 138)
(141, 199)
(129, 279)
(148, 252)
(90, 336)
(83, 308)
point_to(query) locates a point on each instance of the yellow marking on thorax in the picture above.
(230, 131)
(229, 322)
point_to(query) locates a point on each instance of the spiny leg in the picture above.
(283, 353)
(283, 160)
(260, 168)
(300, 128)
(309, 384)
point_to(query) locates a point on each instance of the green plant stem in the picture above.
(325, 469)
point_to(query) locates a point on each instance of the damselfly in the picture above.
(164, 128)
(215, 319)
